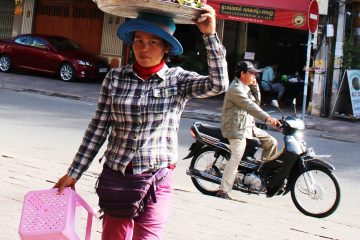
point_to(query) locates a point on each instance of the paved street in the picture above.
(206, 109)
(194, 216)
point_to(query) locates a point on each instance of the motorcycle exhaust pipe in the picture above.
(203, 175)
(214, 179)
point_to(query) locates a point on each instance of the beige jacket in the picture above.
(239, 109)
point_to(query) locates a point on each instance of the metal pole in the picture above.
(324, 82)
(338, 55)
(306, 80)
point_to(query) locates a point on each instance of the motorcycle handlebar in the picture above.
(282, 123)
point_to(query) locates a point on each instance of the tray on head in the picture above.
(130, 8)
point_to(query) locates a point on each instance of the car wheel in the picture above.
(5, 63)
(67, 72)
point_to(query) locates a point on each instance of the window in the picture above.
(22, 40)
(37, 42)
(63, 44)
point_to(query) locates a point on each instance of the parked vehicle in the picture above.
(50, 54)
(314, 188)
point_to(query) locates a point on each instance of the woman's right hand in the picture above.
(65, 181)
(207, 20)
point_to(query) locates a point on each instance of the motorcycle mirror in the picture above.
(275, 104)
(294, 105)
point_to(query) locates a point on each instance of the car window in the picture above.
(22, 40)
(37, 42)
(62, 43)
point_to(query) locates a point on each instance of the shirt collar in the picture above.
(246, 88)
(162, 72)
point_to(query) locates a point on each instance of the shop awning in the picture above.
(281, 13)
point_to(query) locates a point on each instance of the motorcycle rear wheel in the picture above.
(204, 161)
(321, 198)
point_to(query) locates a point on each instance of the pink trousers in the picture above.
(150, 225)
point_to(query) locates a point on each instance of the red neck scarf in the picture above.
(146, 72)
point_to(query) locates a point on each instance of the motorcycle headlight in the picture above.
(310, 152)
(85, 63)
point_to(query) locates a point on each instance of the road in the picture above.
(40, 134)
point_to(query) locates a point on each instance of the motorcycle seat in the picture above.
(216, 133)
(212, 131)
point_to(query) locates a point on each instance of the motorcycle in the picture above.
(314, 188)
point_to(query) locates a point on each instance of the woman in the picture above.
(140, 105)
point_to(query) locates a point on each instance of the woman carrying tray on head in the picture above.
(140, 105)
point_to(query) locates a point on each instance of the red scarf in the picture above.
(146, 72)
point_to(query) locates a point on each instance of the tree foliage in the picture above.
(351, 54)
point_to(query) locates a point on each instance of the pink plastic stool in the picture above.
(48, 215)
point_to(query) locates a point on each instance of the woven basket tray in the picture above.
(130, 9)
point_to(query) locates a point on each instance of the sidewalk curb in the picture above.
(51, 93)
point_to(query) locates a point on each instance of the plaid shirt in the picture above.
(143, 117)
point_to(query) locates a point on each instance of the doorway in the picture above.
(79, 20)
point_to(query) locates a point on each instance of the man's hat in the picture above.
(246, 66)
(159, 25)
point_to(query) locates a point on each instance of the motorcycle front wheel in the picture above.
(316, 193)
(206, 162)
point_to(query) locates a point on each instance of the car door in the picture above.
(37, 52)
(17, 52)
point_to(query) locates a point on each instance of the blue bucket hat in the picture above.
(159, 25)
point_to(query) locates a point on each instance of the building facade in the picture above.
(95, 31)
(79, 20)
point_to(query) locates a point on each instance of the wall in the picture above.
(28, 16)
(111, 45)
(6, 18)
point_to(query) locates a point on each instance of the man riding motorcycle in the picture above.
(241, 105)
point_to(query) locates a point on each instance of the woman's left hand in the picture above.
(64, 182)
(207, 21)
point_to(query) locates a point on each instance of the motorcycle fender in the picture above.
(194, 148)
(309, 163)
(319, 163)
